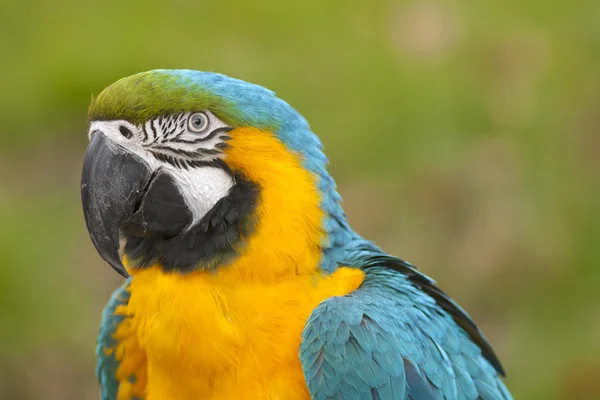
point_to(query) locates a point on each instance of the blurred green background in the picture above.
(464, 136)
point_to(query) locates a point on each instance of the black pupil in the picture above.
(198, 121)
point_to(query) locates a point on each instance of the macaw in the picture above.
(243, 278)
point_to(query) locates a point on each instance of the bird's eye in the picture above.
(198, 122)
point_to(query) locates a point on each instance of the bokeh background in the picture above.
(464, 136)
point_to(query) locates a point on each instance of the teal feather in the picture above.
(106, 366)
(396, 337)
(390, 339)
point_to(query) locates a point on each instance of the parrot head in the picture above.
(186, 169)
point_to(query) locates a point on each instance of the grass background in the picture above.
(464, 135)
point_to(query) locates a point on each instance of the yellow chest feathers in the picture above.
(198, 338)
(234, 333)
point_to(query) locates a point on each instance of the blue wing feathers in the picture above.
(417, 385)
(427, 285)
(106, 367)
(391, 339)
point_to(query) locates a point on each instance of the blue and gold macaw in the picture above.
(243, 278)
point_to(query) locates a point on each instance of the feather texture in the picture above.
(394, 335)
(390, 339)
(121, 363)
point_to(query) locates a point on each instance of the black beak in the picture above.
(112, 183)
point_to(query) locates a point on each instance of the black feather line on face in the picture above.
(180, 152)
(152, 130)
(145, 133)
(180, 162)
(187, 163)
(214, 240)
(170, 131)
(204, 138)
(172, 127)
(155, 131)
(169, 128)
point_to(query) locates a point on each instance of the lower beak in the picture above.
(112, 183)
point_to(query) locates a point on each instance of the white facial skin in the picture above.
(186, 138)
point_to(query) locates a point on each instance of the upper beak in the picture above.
(112, 183)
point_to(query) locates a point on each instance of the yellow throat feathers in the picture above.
(235, 332)
(286, 241)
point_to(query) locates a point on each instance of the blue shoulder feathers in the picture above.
(396, 337)
(107, 365)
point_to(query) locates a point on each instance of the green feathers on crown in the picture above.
(142, 96)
